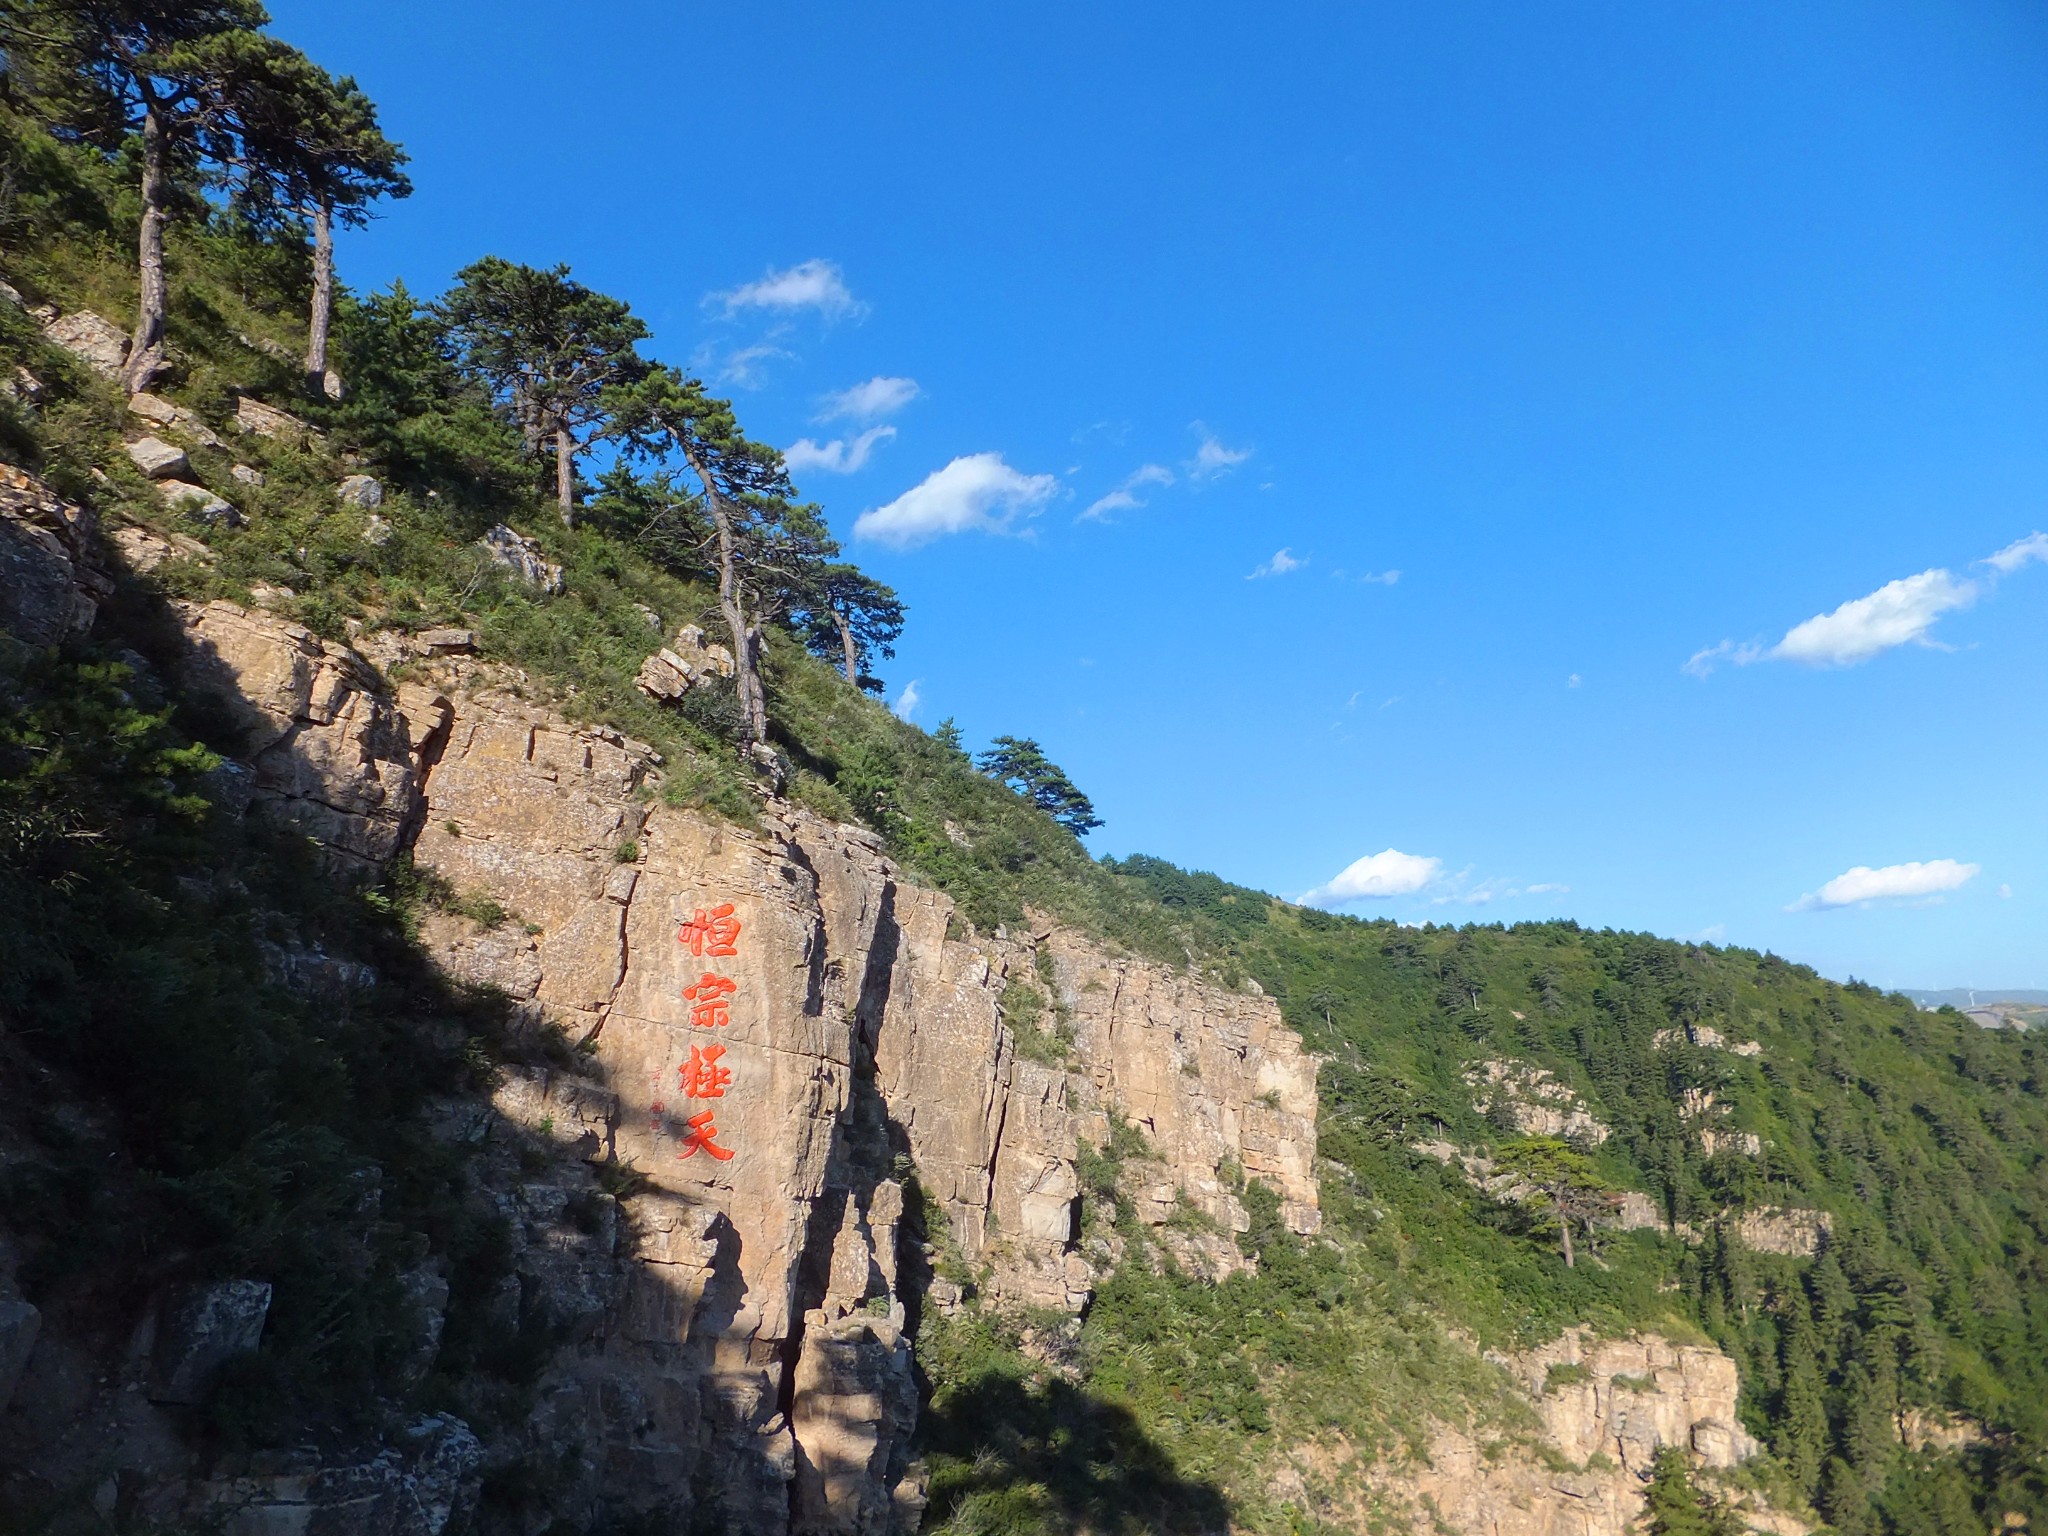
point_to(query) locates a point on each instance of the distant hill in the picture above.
(1974, 997)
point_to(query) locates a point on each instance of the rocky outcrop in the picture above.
(1535, 1102)
(682, 664)
(332, 753)
(805, 1062)
(522, 557)
(1604, 1407)
(1771, 1229)
(51, 578)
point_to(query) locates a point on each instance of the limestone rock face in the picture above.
(1618, 1399)
(51, 581)
(777, 1026)
(333, 754)
(95, 341)
(1636, 1395)
(1537, 1103)
(1770, 1229)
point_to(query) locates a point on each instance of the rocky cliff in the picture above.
(791, 1104)
(797, 1071)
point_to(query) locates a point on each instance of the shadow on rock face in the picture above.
(1008, 1455)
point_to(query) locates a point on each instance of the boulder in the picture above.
(448, 642)
(12, 295)
(95, 341)
(168, 413)
(51, 582)
(158, 459)
(679, 666)
(365, 491)
(377, 533)
(268, 421)
(198, 1331)
(200, 504)
(245, 475)
(522, 557)
(24, 386)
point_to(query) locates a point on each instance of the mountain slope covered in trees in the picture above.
(177, 166)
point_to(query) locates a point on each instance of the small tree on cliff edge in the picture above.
(555, 354)
(1021, 763)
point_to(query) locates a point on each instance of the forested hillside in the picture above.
(1521, 1130)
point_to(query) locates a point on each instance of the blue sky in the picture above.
(1513, 420)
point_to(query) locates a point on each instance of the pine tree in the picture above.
(554, 354)
(159, 69)
(1671, 1507)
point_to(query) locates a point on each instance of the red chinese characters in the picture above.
(703, 1077)
(703, 1137)
(708, 996)
(710, 934)
(715, 933)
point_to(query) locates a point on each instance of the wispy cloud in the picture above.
(908, 700)
(1126, 496)
(743, 367)
(975, 491)
(814, 285)
(1212, 458)
(841, 456)
(1894, 882)
(1461, 889)
(883, 395)
(1377, 875)
(1902, 612)
(1281, 563)
(2018, 553)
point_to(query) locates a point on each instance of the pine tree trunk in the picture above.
(846, 645)
(757, 717)
(565, 474)
(745, 659)
(146, 346)
(1564, 1226)
(323, 297)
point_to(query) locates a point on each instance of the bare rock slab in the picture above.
(158, 459)
(522, 557)
(365, 491)
(94, 340)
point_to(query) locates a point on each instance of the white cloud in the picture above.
(1387, 873)
(2018, 553)
(1573, 681)
(883, 395)
(1212, 458)
(1462, 889)
(1381, 578)
(908, 700)
(1898, 613)
(1892, 883)
(1126, 496)
(1281, 563)
(1547, 888)
(838, 457)
(1901, 612)
(977, 490)
(814, 284)
(2005, 893)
